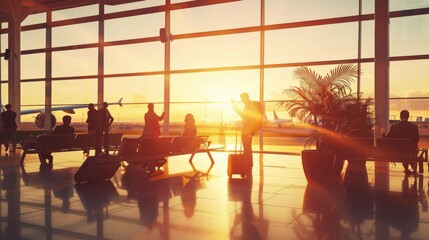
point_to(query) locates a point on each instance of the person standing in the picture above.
(104, 120)
(9, 127)
(151, 123)
(91, 120)
(405, 129)
(251, 122)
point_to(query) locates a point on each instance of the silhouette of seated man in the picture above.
(65, 128)
(405, 129)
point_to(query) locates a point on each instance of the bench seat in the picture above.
(52, 143)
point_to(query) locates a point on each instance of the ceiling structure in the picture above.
(34, 6)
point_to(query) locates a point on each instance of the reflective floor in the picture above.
(181, 204)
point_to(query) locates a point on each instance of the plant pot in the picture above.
(317, 165)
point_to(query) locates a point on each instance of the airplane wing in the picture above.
(68, 109)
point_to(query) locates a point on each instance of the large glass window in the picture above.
(216, 17)
(214, 88)
(367, 39)
(38, 39)
(408, 79)
(134, 58)
(32, 93)
(133, 5)
(33, 66)
(134, 27)
(34, 19)
(293, 11)
(218, 51)
(75, 34)
(319, 43)
(409, 35)
(74, 91)
(135, 92)
(77, 12)
(78, 62)
(396, 5)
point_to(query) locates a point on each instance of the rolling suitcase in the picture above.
(236, 161)
(97, 168)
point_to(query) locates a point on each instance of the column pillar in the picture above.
(14, 40)
(381, 84)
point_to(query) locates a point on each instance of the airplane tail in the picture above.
(120, 102)
(275, 115)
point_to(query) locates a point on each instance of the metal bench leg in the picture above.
(23, 157)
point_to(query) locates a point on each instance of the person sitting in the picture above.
(189, 130)
(405, 129)
(62, 129)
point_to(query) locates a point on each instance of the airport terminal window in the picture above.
(143, 89)
(77, 12)
(224, 85)
(235, 49)
(192, 54)
(133, 6)
(67, 35)
(38, 39)
(412, 75)
(409, 35)
(74, 91)
(33, 66)
(277, 79)
(4, 70)
(295, 11)
(34, 19)
(367, 39)
(312, 43)
(396, 5)
(78, 62)
(134, 58)
(34, 93)
(367, 80)
(211, 113)
(141, 26)
(216, 17)
(4, 93)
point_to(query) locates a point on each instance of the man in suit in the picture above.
(104, 120)
(9, 127)
(405, 129)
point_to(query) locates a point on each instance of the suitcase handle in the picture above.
(235, 150)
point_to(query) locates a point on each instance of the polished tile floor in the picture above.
(181, 204)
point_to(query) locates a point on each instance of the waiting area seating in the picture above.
(382, 150)
(152, 153)
(51, 143)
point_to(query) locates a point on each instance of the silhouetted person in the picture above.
(104, 120)
(91, 119)
(405, 129)
(189, 130)
(151, 123)
(62, 129)
(251, 122)
(9, 127)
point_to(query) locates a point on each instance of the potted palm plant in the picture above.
(328, 104)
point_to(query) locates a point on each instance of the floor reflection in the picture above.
(277, 203)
